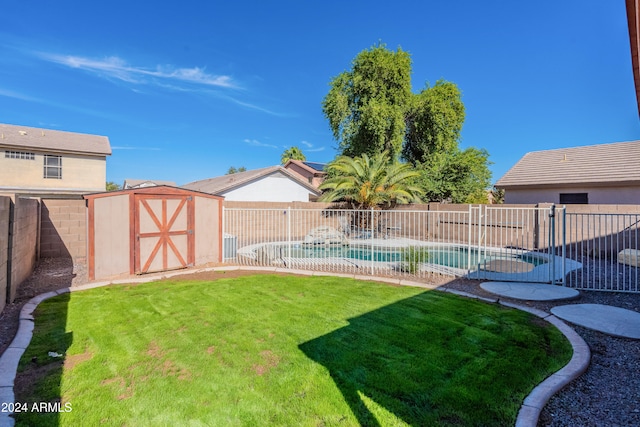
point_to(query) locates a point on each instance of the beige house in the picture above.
(594, 174)
(44, 161)
(313, 172)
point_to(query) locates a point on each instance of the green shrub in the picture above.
(412, 257)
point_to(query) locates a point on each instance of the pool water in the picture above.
(455, 257)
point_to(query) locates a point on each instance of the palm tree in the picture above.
(370, 182)
(293, 153)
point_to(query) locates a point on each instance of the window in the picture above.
(19, 155)
(53, 167)
(574, 198)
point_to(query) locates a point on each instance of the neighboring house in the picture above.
(314, 173)
(143, 183)
(272, 184)
(594, 174)
(44, 161)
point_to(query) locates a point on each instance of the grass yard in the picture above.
(282, 351)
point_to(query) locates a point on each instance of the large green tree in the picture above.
(371, 109)
(458, 176)
(112, 186)
(366, 182)
(366, 106)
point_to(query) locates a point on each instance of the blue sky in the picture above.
(185, 90)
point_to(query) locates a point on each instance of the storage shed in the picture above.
(145, 230)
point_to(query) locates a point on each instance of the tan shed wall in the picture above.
(207, 230)
(112, 249)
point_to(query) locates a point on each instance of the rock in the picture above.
(325, 235)
(629, 257)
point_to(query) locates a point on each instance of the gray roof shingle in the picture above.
(28, 138)
(615, 163)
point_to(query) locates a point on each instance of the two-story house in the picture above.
(45, 161)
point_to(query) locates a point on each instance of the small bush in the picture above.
(412, 257)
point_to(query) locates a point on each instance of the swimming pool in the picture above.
(447, 256)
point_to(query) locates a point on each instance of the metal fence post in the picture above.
(288, 213)
(552, 230)
(564, 245)
(371, 227)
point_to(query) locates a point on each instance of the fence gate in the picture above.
(164, 238)
(518, 244)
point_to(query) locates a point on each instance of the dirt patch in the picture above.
(71, 361)
(270, 360)
(155, 351)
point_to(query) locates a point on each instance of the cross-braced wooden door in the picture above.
(164, 235)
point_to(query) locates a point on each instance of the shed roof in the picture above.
(28, 138)
(615, 163)
(228, 182)
(160, 190)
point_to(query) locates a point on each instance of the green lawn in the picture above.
(284, 350)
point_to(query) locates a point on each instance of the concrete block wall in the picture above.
(5, 207)
(24, 242)
(64, 229)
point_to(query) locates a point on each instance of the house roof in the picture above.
(138, 183)
(312, 167)
(28, 138)
(225, 183)
(616, 163)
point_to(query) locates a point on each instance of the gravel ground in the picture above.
(608, 394)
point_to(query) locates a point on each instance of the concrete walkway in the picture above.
(530, 291)
(615, 321)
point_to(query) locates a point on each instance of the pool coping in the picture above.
(539, 274)
(528, 414)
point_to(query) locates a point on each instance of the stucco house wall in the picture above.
(596, 195)
(79, 173)
(273, 188)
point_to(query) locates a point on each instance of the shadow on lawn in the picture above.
(392, 356)
(38, 382)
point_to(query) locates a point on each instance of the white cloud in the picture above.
(256, 143)
(307, 143)
(115, 67)
(17, 95)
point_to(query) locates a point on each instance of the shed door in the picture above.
(164, 238)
